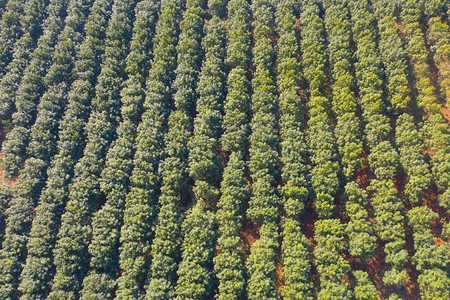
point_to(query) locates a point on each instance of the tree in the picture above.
(383, 159)
(431, 259)
(174, 168)
(410, 145)
(229, 262)
(195, 271)
(19, 17)
(324, 171)
(264, 157)
(331, 266)
(84, 193)
(11, 80)
(344, 104)
(4, 200)
(31, 88)
(33, 176)
(364, 288)
(394, 57)
(359, 230)
(294, 192)
(115, 178)
(438, 39)
(39, 268)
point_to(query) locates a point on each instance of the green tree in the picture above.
(33, 176)
(264, 157)
(11, 80)
(383, 159)
(344, 104)
(294, 192)
(84, 193)
(435, 130)
(324, 172)
(364, 289)
(31, 88)
(114, 182)
(393, 56)
(439, 42)
(331, 266)
(174, 168)
(195, 271)
(411, 147)
(5, 195)
(39, 268)
(359, 230)
(229, 262)
(430, 259)
(19, 17)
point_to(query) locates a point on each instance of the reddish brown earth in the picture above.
(249, 234)
(430, 199)
(279, 284)
(307, 222)
(446, 113)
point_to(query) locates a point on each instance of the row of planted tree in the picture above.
(196, 149)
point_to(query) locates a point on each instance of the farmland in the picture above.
(214, 149)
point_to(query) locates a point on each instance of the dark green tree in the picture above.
(294, 190)
(71, 251)
(324, 171)
(31, 88)
(114, 182)
(11, 80)
(431, 259)
(264, 158)
(33, 176)
(195, 271)
(438, 40)
(411, 147)
(383, 159)
(229, 262)
(331, 266)
(174, 169)
(344, 104)
(19, 17)
(435, 130)
(39, 268)
(5, 195)
(393, 56)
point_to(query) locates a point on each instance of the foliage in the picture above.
(114, 182)
(202, 149)
(84, 193)
(383, 157)
(324, 173)
(364, 288)
(359, 230)
(263, 158)
(195, 271)
(410, 144)
(229, 262)
(33, 175)
(294, 192)
(39, 267)
(331, 266)
(344, 105)
(174, 168)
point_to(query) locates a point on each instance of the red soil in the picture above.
(446, 113)
(249, 234)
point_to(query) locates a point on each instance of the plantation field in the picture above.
(224, 149)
